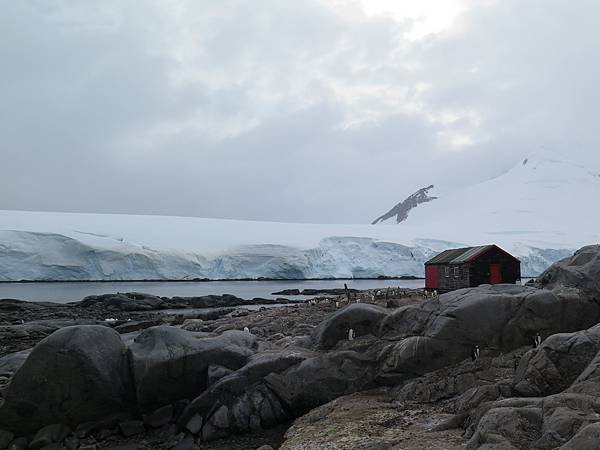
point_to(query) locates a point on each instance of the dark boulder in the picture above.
(273, 389)
(363, 318)
(587, 438)
(215, 301)
(508, 428)
(582, 270)
(320, 379)
(505, 317)
(76, 374)
(50, 434)
(131, 301)
(416, 356)
(170, 364)
(557, 363)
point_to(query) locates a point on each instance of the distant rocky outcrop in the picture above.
(402, 209)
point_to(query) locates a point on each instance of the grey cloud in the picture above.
(279, 110)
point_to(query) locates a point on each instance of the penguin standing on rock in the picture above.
(350, 334)
(537, 340)
(246, 330)
(475, 353)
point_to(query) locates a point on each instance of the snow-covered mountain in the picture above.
(542, 200)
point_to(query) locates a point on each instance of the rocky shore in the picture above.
(384, 369)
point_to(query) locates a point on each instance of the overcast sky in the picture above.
(311, 111)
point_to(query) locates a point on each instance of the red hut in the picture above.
(471, 266)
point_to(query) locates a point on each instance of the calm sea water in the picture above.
(70, 292)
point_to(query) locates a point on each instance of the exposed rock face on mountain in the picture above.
(402, 209)
(220, 381)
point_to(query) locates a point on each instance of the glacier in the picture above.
(47, 246)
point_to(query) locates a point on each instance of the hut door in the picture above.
(431, 277)
(495, 274)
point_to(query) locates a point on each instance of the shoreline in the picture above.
(209, 280)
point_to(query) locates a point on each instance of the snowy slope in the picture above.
(542, 201)
(64, 246)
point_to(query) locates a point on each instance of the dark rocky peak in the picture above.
(402, 209)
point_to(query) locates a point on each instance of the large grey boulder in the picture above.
(564, 414)
(588, 382)
(582, 270)
(507, 428)
(505, 317)
(557, 420)
(363, 318)
(407, 320)
(557, 363)
(241, 401)
(587, 438)
(171, 364)
(322, 378)
(75, 375)
(417, 355)
(273, 389)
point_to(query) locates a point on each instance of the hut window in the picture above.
(456, 272)
(447, 270)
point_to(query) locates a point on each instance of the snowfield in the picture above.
(541, 211)
(40, 246)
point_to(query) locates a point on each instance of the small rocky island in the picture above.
(381, 369)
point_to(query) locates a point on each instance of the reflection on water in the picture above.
(69, 292)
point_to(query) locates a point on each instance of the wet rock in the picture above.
(214, 301)
(75, 375)
(131, 301)
(287, 292)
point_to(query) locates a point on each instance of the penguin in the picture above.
(350, 334)
(337, 304)
(246, 330)
(475, 353)
(358, 300)
(537, 340)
